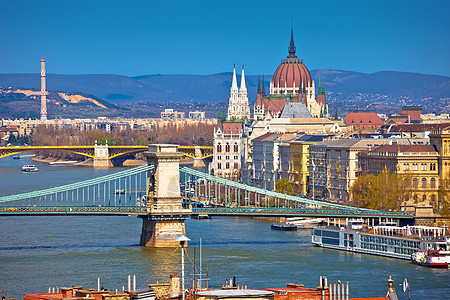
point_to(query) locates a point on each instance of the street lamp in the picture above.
(182, 239)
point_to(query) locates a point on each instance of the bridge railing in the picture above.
(292, 211)
(266, 193)
(230, 191)
(120, 189)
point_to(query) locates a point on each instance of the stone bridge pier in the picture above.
(101, 156)
(165, 219)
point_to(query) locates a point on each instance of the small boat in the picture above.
(29, 168)
(431, 258)
(283, 226)
(16, 157)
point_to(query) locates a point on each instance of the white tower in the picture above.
(238, 107)
(43, 92)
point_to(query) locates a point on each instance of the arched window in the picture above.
(236, 148)
(219, 147)
(416, 198)
(227, 148)
(433, 182)
(424, 198)
(424, 182)
(415, 182)
(407, 182)
(219, 166)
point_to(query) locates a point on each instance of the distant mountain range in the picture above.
(216, 87)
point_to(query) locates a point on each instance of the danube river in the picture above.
(37, 252)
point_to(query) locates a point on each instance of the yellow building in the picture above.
(419, 164)
(440, 139)
(300, 166)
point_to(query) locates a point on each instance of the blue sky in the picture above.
(205, 37)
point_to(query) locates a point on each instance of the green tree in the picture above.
(443, 205)
(385, 191)
(284, 186)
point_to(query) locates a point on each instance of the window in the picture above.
(219, 166)
(219, 148)
(236, 157)
(236, 148)
(236, 165)
(227, 165)
(415, 182)
(424, 198)
(424, 182)
(416, 198)
(407, 182)
(227, 148)
(219, 157)
(433, 182)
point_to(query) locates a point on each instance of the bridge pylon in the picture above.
(101, 156)
(165, 219)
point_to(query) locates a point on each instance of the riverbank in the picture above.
(56, 160)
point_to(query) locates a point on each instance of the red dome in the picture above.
(291, 69)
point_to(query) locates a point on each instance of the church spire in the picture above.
(291, 48)
(234, 83)
(243, 87)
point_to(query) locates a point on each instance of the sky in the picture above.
(206, 37)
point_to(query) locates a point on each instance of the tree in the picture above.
(385, 191)
(443, 205)
(284, 186)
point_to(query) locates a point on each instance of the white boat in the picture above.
(303, 223)
(390, 241)
(437, 254)
(29, 168)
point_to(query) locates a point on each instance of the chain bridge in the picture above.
(162, 192)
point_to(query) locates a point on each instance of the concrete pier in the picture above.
(166, 216)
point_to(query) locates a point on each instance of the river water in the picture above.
(37, 252)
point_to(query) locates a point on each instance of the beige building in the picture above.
(343, 166)
(417, 162)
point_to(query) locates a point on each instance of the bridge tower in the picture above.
(101, 156)
(165, 219)
(198, 161)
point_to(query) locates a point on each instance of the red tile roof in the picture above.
(229, 128)
(363, 119)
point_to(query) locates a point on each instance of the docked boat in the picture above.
(390, 241)
(283, 226)
(431, 258)
(16, 157)
(29, 168)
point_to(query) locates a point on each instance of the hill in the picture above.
(342, 86)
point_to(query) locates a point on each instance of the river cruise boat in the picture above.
(29, 168)
(390, 241)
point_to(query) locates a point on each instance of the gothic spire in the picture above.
(234, 86)
(291, 48)
(243, 87)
